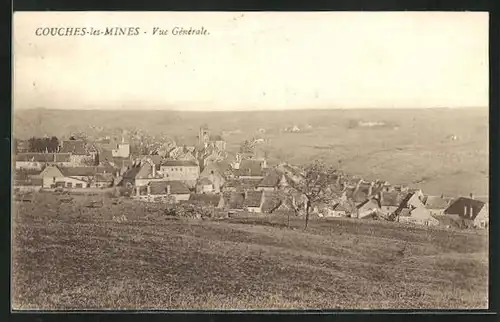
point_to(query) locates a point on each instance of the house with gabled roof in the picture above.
(163, 191)
(250, 169)
(78, 151)
(211, 200)
(390, 201)
(139, 174)
(367, 208)
(271, 181)
(181, 170)
(234, 201)
(39, 160)
(467, 208)
(241, 184)
(436, 204)
(50, 177)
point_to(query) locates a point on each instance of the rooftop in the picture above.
(161, 187)
(208, 199)
(76, 147)
(253, 199)
(179, 163)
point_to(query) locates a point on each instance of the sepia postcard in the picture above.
(250, 160)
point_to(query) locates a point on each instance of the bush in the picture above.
(190, 210)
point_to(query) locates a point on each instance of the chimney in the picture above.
(370, 189)
(168, 189)
(148, 187)
(471, 195)
(137, 191)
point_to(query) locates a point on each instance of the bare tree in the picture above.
(317, 184)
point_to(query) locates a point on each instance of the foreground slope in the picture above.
(66, 257)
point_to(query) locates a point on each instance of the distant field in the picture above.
(413, 147)
(67, 258)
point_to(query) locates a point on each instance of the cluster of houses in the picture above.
(198, 170)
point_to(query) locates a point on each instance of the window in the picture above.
(79, 185)
(69, 184)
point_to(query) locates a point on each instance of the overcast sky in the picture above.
(254, 60)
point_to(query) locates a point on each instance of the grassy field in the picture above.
(70, 257)
(413, 147)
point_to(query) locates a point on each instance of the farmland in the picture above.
(68, 256)
(412, 147)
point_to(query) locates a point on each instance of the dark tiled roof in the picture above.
(104, 177)
(204, 181)
(436, 202)
(76, 147)
(404, 201)
(138, 172)
(157, 159)
(250, 168)
(26, 173)
(43, 157)
(253, 199)
(375, 201)
(179, 163)
(242, 183)
(393, 199)
(105, 155)
(208, 199)
(160, 187)
(62, 157)
(359, 195)
(271, 180)
(85, 171)
(465, 207)
(236, 200)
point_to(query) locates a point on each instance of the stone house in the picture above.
(179, 170)
(436, 204)
(211, 200)
(78, 151)
(39, 160)
(469, 209)
(163, 191)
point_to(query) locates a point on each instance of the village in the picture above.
(199, 170)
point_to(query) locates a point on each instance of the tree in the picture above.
(247, 147)
(317, 185)
(292, 200)
(41, 145)
(53, 144)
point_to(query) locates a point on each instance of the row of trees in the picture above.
(41, 145)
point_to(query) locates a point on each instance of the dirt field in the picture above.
(66, 256)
